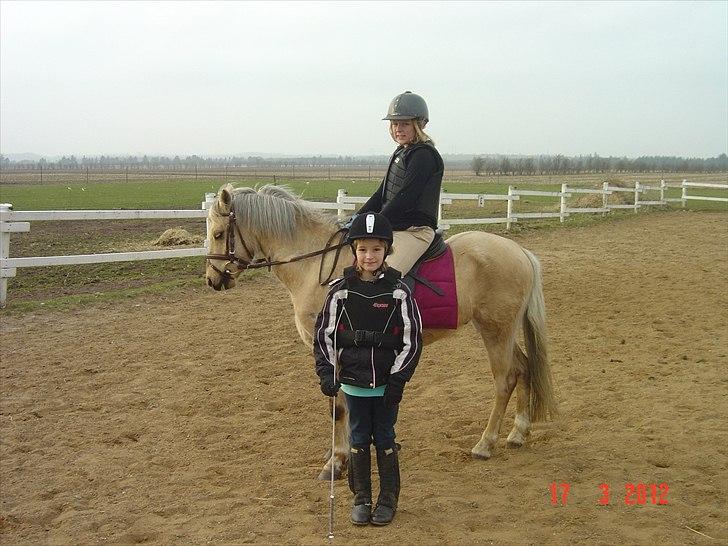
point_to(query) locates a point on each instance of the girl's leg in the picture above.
(360, 462)
(408, 246)
(387, 462)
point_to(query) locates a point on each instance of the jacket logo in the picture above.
(380, 305)
(396, 160)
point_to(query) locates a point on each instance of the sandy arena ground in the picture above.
(196, 418)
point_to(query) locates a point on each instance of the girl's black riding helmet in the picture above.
(370, 225)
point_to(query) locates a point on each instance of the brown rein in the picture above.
(242, 264)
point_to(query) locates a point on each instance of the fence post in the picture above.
(605, 197)
(662, 191)
(684, 194)
(509, 208)
(439, 210)
(636, 196)
(562, 208)
(340, 195)
(4, 254)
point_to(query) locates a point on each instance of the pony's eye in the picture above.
(217, 234)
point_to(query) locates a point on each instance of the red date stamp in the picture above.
(635, 494)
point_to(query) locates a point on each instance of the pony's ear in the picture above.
(225, 200)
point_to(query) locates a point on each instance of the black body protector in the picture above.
(368, 304)
(429, 196)
(369, 329)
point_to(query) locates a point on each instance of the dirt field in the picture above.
(196, 417)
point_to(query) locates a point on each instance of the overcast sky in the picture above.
(615, 78)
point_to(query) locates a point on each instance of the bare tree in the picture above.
(477, 165)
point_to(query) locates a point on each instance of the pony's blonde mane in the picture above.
(273, 210)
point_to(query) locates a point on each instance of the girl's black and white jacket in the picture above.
(373, 329)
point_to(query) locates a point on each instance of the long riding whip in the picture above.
(333, 446)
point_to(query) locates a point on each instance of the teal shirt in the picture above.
(353, 390)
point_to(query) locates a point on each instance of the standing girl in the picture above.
(368, 340)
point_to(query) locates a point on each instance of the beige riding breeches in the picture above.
(408, 246)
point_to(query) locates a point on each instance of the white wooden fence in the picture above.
(514, 195)
(19, 221)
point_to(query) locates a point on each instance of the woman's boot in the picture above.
(360, 483)
(388, 464)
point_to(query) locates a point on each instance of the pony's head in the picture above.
(246, 225)
(218, 270)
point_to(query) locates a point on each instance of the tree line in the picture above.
(559, 164)
(190, 162)
(488, 165)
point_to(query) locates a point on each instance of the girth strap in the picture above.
(432, 286)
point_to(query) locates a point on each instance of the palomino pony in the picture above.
(498, 289)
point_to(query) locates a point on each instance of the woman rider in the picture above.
(409, 195)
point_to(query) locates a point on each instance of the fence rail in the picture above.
(19, 221)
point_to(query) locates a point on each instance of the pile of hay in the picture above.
(177, 237)
(587, 200)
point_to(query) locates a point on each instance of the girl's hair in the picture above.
(420, 135)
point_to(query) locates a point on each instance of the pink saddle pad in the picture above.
(438, 311)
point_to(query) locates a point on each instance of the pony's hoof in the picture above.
(483, 455)
(325, 474)
(515, 440)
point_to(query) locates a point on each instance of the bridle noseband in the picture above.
(242, 264)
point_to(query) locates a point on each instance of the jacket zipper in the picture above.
(374, 373)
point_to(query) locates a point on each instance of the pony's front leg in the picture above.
(337, 461)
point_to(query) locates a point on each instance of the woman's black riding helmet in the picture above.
(370, 225)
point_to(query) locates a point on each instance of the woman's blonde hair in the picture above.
(420, 135)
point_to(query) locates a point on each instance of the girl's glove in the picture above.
(328, 387)
(393, 391)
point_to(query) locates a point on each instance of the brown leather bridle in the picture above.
(247, 263)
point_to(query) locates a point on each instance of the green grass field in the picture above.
(64, 286)
(188, 194)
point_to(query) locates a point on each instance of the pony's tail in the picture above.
(543, 401)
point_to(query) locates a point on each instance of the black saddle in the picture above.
(437, 248)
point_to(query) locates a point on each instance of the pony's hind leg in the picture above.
(337, 460)
(500, 353)
(522, 423)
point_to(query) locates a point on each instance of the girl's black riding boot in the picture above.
(388, 464)
(360, 483)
